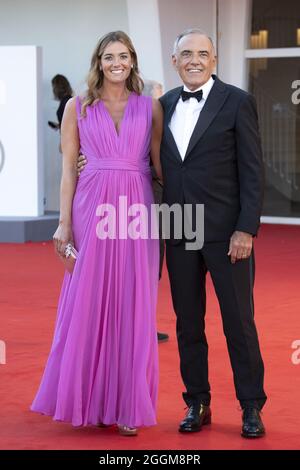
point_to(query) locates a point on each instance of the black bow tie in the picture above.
(186, 95)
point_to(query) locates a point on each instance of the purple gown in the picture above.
(103, 364)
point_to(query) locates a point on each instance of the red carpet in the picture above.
(30, 277)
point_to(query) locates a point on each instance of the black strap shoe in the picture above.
(196, 417)
(162, 337)
(252, 424)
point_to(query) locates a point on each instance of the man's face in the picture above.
(194, 60)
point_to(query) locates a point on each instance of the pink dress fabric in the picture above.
(103, 364)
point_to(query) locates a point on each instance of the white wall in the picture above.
(175, 17)
(67, 31)
(21, 176)
(144, 29)
(234, 30)
(234, 17)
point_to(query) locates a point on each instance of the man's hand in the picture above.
(240, 246)
(81, 162)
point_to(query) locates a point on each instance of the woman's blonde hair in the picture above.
(95, 76)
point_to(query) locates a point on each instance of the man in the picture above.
(211, 155)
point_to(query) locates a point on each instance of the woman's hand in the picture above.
(62, 237)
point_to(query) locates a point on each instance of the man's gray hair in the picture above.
(150, 86)
(190, 31)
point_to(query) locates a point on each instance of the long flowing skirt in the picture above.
(103, 364)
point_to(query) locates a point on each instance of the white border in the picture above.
(276, 52)
(280, 220)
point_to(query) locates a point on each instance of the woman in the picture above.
(103, 366)
(62, 92)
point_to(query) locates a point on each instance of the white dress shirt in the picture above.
(186, 115)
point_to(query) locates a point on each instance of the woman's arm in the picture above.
(157, 129)
(70, 149)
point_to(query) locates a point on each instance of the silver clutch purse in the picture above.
(70, 257)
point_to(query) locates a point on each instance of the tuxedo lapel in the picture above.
(169, 110)
(213, 104)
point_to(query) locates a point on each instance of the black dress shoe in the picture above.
(162, 337)
(196, 417)
(252, 423)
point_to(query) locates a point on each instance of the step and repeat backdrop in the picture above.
(21, 159)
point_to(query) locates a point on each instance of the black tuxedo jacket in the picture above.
(222, 168)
